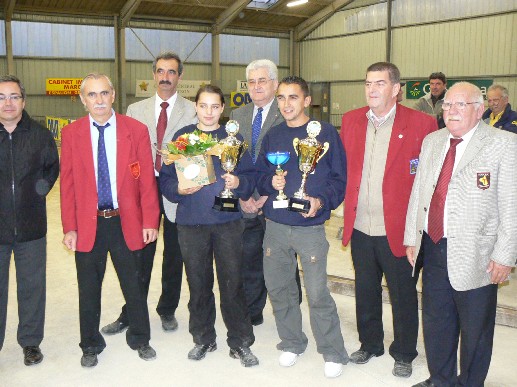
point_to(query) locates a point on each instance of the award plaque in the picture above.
(309, 151)
(232, 150)
(279, 159)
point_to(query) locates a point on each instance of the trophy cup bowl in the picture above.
(279, 159)
(232, 151)
(309, 151)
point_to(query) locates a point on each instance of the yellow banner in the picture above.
(239, 98)
(63, 86)
(55, 124)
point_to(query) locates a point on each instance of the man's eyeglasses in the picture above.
(459, 105)
(14, 98)
(260, 82)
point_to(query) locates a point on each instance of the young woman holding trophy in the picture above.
(206, 233)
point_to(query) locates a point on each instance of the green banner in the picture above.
(417, 89)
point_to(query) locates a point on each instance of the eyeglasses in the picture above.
(14, 98)
(260, 82)
(459, 105)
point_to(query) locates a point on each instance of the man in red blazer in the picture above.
(108, 204)
(382, 143)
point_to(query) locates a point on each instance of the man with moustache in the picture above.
(255, 119)
(462, 224)
(499, 113)
(382, 143)
(290, 232)
(163, 114)
(109, 203)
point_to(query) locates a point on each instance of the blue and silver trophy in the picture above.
(279, 159)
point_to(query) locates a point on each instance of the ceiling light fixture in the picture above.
(297, 2)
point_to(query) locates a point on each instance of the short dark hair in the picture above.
(210, 89)
(294, 80)
(167, 55)
(12, 78)
(438, 75)
(393, 71)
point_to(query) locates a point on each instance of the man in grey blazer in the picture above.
(262, 77)
(465, 230)
(167, 71)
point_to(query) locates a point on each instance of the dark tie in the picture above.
(160, 132)
(436, 209)
(105, 199)
(255, 133)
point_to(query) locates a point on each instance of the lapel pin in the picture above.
(400, 136)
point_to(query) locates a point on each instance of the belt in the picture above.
(108, 213)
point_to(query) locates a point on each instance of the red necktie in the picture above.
(436, 209)
(160, 132)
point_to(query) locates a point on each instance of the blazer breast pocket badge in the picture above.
(483, 180)
(135, 169)
(413, 165)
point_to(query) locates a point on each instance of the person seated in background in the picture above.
(206, 234)
(499, 113)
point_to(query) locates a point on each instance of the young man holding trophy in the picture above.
(314, 180)
(210, 226)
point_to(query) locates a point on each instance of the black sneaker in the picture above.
(199, 351)
(248, 359)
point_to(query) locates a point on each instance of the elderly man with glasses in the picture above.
(462, 223)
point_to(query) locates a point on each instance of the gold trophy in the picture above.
(309, 151)
(232, 150)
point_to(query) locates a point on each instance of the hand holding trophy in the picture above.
(279, 159)
(309, 151)
(231, 153)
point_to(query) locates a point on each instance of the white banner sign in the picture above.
(242, 86)
(147, 87)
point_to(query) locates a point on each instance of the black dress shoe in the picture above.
(146, 352)
(115, 327)
(402, 369)
(32, 355)
(363, 357)
(199, 351)
(169, 323)
(425, 383)
(248, 359)
(257, 320)
(89, 359)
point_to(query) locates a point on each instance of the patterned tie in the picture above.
(105, 199)
(436, 209)
(160, 132)
(255, 133)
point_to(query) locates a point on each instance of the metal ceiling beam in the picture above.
(9, 10)
(309, 25)
(127, 12)
(228, 15)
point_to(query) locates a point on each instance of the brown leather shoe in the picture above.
(32, 355)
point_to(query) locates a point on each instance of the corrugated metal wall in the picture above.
(462, 38)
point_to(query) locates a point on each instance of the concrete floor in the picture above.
(120, 366)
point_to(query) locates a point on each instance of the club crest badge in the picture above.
(413, 165)
(135, 169)
(483, 180)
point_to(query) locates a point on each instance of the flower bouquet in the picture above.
(190, 154)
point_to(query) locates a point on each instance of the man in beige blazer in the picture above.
(167, 71)
(465, 230)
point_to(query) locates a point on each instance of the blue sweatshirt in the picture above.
(196, 209)
(327, 182)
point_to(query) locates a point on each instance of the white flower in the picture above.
(193, 139)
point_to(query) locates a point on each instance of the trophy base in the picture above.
(299, 205)
(226, 204)
(280, 203)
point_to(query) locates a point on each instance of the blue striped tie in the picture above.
(255, 133)
(105, 199)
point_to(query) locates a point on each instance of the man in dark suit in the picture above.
(177, 112)
(462, 218)
(382, 143)
(109, 203)
(255, 119)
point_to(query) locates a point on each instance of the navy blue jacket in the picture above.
(196, 209)
(327, 182)
(508, 120)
